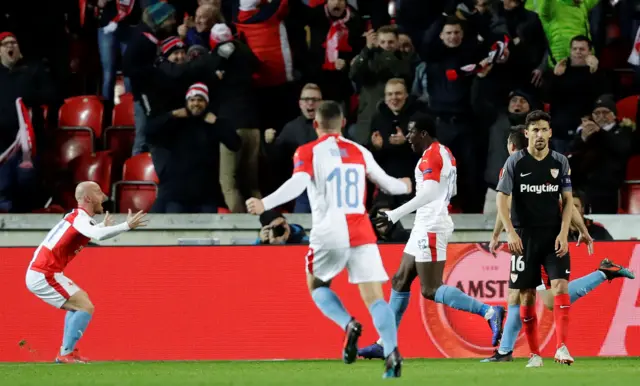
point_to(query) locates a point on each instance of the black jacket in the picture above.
(234, 97)
(32, 82)
(163, 83)
(449, 97)
(396, 160)
(294, 134)
(186, 156)
(572, 96)
(599, 164)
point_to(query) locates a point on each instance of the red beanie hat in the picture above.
(4, 35)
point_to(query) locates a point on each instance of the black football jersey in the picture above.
(535, 187)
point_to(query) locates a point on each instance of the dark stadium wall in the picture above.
(225, 303)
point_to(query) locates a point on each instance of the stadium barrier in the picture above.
(234, 303)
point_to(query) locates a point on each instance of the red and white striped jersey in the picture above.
(67, 238)
(337, 190)
(439, 165)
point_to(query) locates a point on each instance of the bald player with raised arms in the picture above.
(45, 277)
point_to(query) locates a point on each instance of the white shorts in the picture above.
(53, 288)
(426, 246)
(363, 263)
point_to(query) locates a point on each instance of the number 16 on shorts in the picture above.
(517, 266)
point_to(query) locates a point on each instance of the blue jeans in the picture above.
(16, 185)
(108, 45)
(140, 115)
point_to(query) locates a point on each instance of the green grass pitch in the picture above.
(441, 372)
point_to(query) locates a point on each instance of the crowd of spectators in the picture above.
(225, 90)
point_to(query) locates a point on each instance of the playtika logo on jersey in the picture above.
(539, 189)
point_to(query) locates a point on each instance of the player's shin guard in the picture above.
(78, 323)
(385, 323)
(399, 301)
(562, 305)
(512, 328)
(530, 324)
(331, 306)
(582, 286)
(454, 298)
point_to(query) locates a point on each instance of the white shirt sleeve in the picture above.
(378, 176)
(290, 190)
(427, 193)
(83, 225)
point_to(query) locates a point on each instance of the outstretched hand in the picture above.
(136, 220)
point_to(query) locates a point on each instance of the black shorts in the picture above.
(539, 252)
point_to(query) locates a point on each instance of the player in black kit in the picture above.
(536, 177)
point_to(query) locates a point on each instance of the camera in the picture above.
(278, 230)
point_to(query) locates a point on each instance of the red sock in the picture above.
(561, 307)
(530, 324)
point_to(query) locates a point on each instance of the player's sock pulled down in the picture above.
(331, 306)
(530, 324)
(75, 326)
(399, 301)
(454, 298)
(562, 305)
(582, 286)
(512, 328)
(385, 323)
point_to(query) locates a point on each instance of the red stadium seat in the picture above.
(50, 209)
(633, 169)
(631, 199)
(82, 112)
(628, 107)
(123, 113)
(87, 167)
(72, 143)
(138, 188)
(140, 168)
(120, 136)
(222, 210)
(547, 107)
(134, 195)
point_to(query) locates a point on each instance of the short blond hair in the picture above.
(394, 81)
(311, 86)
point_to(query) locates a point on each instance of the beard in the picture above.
(517, 118)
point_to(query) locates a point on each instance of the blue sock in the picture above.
(512, 328)
(67, 321)
(399, 301)
(331, 306)
(385, 323)
(582, 286)
(78, 323)
(454, 298)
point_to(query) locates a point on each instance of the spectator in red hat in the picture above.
(173, 49)
(185, 151)
(31, 82)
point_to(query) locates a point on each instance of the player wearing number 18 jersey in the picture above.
(333, 170)
(426, 252)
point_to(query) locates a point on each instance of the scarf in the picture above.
(634, 58)
(124, 9)
(25, 139)
(337, 40)
(498, 50)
